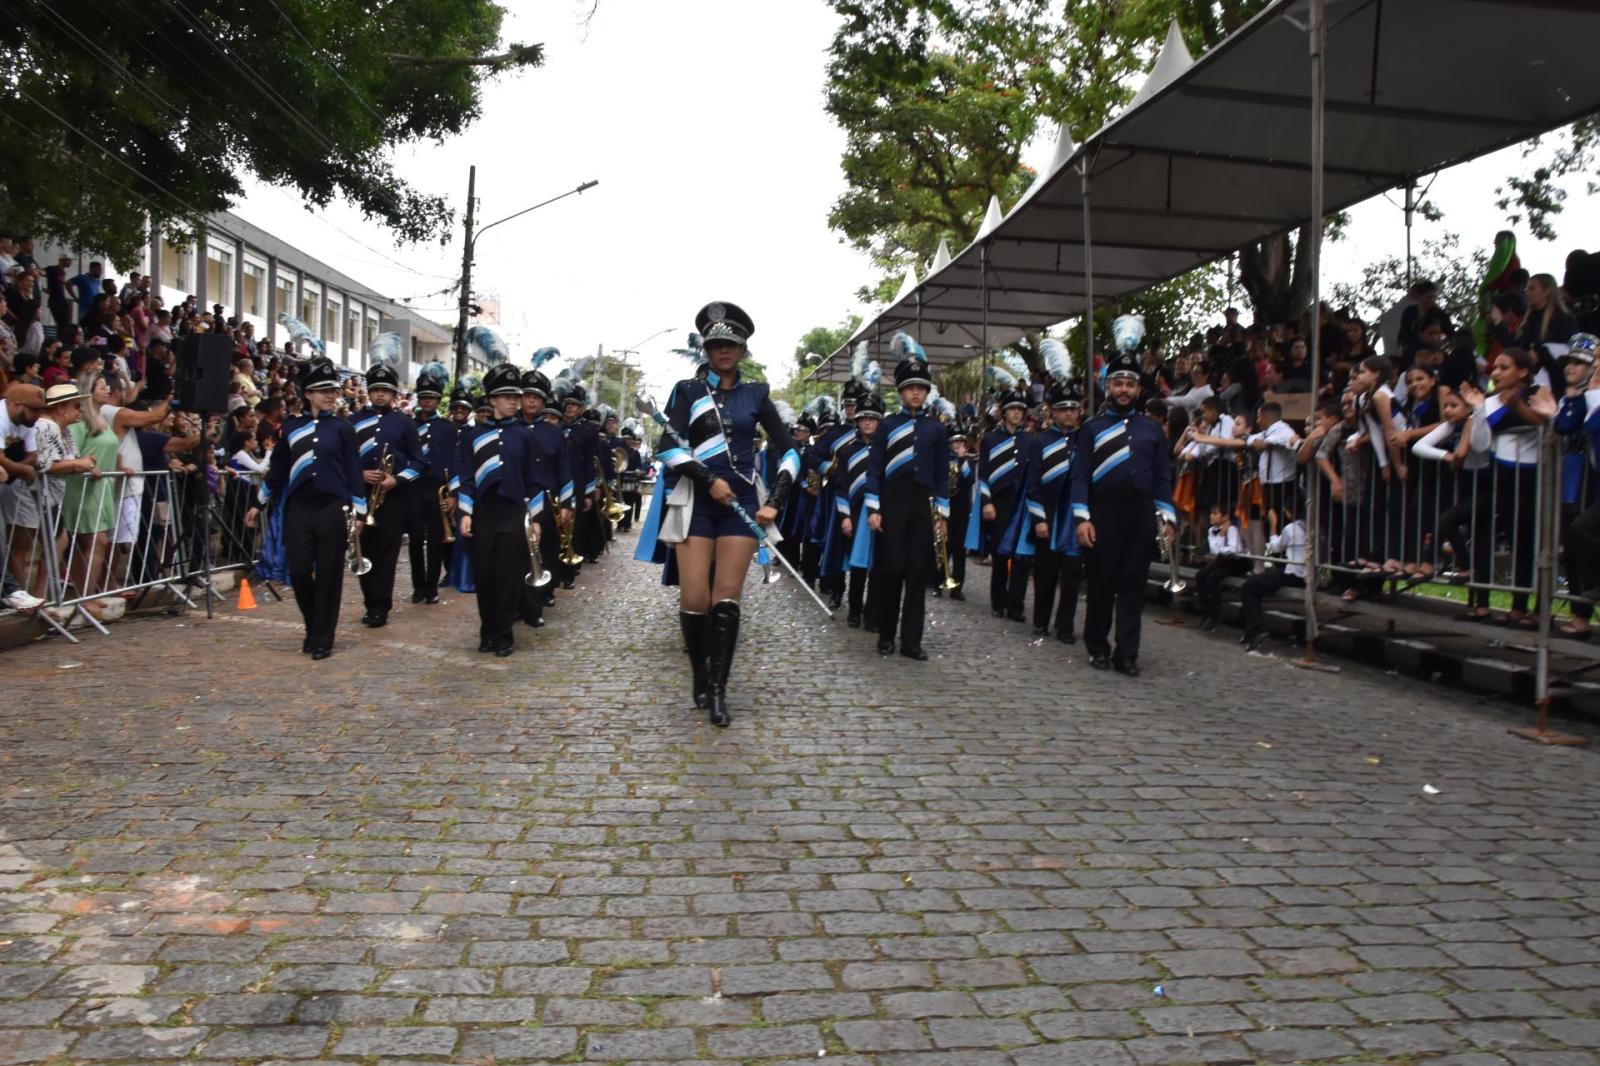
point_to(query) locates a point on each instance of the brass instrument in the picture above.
(353, 525)
(1167, 545)
(941, 544)
(568, 556)
(378, 494)
(614, 508)
(619, 459)
(444, 516)
(813, 481)
(537, 576)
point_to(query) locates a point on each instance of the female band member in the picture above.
(708, 467)
(315, 477)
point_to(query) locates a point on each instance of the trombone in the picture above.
(537, 576)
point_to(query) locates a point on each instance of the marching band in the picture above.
(526, 481)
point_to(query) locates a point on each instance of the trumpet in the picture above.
(1167, 544)
(379, 493)
(613, 508)
(444, 516)
(537, 576)
(353, 525)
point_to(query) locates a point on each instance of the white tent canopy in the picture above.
(1217, 154)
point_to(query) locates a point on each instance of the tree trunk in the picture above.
(1276, 277)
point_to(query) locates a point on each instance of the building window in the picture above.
(177, 267)
(332, 319)
(311, 308)
(253, 301)
(371, 333)
(219, 278)
(285, 303)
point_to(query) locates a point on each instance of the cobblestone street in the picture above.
(212, 849)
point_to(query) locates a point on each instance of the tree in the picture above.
(821, 341)
(1459, 277)
(163, 116)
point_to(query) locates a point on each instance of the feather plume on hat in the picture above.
(489, 345)
(905, 346)
(385, 351)
(1056, 362)
(785, 411)
(544, 355)
(300, 332)
(999, 379)
(695, 351)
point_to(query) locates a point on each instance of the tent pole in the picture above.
(1411, 214)
(983, 328)
(1088, 295)
(1318, 42)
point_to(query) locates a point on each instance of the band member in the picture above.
(908, 474)
(628, 476)
(385, 438)
(831, 438)
(589, 467)
(708, 465)
(1120, 478)
(553, 473)
(315, 476)
(966, 474)
(797, 510)
(497, 492)
(1057, 563)
(432, 507)
(850, 478)
(459, 567)
(1000, 460)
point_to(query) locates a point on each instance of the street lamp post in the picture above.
(470, 245)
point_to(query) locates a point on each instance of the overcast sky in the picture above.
(704, 124)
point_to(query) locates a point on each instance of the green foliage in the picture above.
(1535, 197)
(821, 341)
(1458, 274)
(162, 107)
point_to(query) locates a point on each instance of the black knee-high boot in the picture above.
(694, 642)
(724, 635)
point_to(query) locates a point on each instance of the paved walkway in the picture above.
(213, 850)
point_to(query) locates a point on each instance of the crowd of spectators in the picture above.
(88, 369)
(1428, 456)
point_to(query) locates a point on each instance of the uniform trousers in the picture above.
(1008, 577)
(314, 545)
(380, 542)
(424, 538)
(902, 561)
(862, 594)
(1118, 567)
(1057, 577)
(499, 561)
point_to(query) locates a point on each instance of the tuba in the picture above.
(353, 525)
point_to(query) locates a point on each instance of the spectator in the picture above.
(1548, 321)
(58, 295)
(1580, 464)
(88, 290)
(1197, 391)
(19, 414)
(8, 260)
(25, 252)
(1222, 538)
(1460, 442)
(90, 507)
(1515, 412)
(58, 458)
(1290, 543)
(1296, 369)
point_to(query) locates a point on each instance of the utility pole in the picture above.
(594, 374)
(466, 279)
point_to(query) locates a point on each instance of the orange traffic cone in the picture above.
(247, 602)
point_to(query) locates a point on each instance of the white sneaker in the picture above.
(21, 600)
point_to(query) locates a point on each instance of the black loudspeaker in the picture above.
(204, 371)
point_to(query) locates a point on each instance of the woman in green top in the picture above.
(89, 508)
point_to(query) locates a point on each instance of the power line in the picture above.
(329, 66)
(177, 114)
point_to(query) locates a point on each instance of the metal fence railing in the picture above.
(1481, 522)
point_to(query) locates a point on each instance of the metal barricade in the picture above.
(1491, 534)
